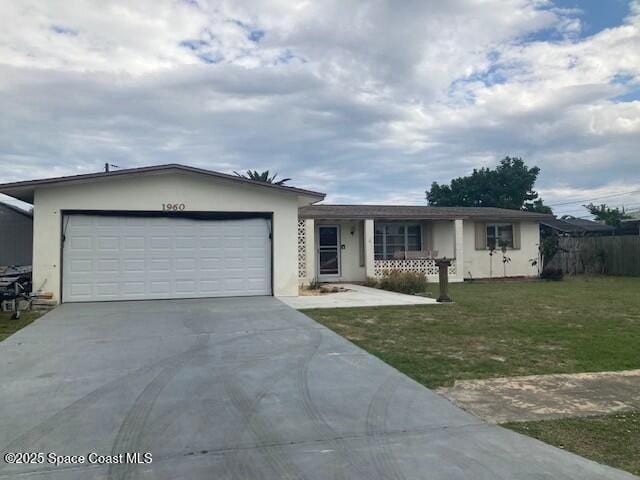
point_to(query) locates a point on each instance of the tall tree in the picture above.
(509, 185)
(265, 177)
(610, 216)
(537, 206)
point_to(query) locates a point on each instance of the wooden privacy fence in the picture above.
(619, 255)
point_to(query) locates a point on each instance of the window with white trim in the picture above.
(499, 235)
(394, 240)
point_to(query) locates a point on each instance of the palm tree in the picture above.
(262, 177)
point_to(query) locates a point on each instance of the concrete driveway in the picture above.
(239, 388)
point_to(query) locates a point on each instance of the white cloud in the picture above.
(369, 101)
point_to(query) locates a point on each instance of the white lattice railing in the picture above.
(426, 266)
(302, 249)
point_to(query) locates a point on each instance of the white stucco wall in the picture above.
(478, 261)
(443, 237)
(148, 193)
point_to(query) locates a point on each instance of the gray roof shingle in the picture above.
(416, 212)
(570, 225)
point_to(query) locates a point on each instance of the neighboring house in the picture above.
(16, 235)
(575, 227)
(174, 231)
(630, 226)
(350, 243)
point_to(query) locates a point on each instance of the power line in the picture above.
(595, 198)
(620, 206)
(627, 207)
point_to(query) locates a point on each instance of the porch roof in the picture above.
(415, 212)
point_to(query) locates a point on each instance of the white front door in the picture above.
(328, 252)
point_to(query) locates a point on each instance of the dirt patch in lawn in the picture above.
(542, 397)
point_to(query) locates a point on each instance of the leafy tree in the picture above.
(262, 177)
(537, 206)
(610, 216)
(509, 185)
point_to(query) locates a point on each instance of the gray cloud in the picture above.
(369, 101)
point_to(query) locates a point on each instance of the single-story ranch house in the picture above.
(174, 231)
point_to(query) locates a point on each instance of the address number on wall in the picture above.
(173, 207)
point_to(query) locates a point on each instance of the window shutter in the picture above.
(516, 236)
(481, 236)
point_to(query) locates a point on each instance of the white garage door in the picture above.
(135, 258)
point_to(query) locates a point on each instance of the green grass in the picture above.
(610, 439)
(8, 326)
(507, 328)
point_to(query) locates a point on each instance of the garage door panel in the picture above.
(132, 265)
(163, 287)
(186, 286)
(111, 258)
(208, 287)
(188, 265)
(160, 265)
(210, 241)
(107, 289)
(133, 287)
(134, 244)
(108, 243)
(186, 242)
(158, 243)
(109, 222)
(82, 243)
(110, 265)
(80, 289)
(256, 285)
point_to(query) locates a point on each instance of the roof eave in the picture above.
(419, 217)
(24, 190)
(17, 210)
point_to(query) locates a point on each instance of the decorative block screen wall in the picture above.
(426, 266)
(302, 249)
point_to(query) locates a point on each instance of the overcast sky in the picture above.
(369, 101)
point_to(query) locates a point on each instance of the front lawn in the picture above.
(505, 328)
(610, 439)
(9, 327)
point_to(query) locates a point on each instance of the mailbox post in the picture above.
(443, 279)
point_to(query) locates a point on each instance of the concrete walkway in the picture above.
(544, 397)
(356, 296)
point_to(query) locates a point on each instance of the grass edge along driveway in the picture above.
(512, 328)
(610, 439)
(502, 329)
(8, 326)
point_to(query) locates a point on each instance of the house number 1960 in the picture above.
(174, 207)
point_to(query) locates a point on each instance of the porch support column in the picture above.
(459, 248)
(310, 249)
(368, 248)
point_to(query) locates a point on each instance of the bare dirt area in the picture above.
(544, 397)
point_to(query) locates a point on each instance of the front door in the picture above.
(328, 251)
